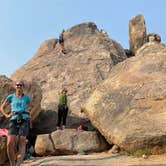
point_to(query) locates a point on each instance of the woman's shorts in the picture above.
(21, 128)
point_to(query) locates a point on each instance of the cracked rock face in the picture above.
(88, 61)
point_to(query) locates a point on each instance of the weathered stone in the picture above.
(137, 33)
(70, 141)
(129, 108)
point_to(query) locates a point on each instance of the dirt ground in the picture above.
(101, 159)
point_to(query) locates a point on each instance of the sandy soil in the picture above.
(102, 159)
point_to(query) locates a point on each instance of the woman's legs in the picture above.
(11, 149)
(65, 111)
(60, 111)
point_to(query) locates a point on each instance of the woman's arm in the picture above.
(3, 107)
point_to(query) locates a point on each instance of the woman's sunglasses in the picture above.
(19, 85)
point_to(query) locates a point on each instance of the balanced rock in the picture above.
(137, 33)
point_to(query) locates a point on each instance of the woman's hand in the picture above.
(9, 115)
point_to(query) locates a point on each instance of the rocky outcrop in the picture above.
(69, 141)
(129, 108)
(89, 58)
(137, 33)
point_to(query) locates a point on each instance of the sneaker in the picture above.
(57, 128)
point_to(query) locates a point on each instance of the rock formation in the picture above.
(137, 33)
(129, 107)
(89, 60)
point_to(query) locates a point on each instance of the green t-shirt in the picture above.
(63, 99)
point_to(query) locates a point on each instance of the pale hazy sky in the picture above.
(26, 24)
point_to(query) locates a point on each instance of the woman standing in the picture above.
(62, 109)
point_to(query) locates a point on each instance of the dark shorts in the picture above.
(21, 128)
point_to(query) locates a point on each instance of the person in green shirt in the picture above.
(62, 109)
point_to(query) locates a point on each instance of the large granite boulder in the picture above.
(89, 58)
(129, 108)
(137, 33)
(69, 141)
